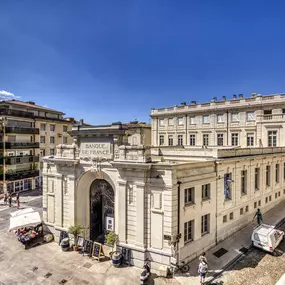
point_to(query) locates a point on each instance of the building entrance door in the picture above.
(102, 201)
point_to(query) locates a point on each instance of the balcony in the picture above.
(20, 175)
(19, 130)
(11, 160)
(19, 145)
(272, 117)
(16, 113)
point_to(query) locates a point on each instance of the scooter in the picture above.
(146, 273)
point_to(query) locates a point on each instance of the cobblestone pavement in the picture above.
(256, 268)
(47, 264)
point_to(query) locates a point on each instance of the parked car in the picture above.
(266, 237)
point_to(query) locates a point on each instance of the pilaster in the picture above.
(121, 220)
(140, 240)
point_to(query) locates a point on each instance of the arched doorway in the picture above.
(102, 199)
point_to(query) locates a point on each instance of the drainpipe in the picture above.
(227, 128)
(217, 178)
(178, 216)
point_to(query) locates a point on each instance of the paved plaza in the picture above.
(47, 264)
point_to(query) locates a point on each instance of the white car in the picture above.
(266, 237)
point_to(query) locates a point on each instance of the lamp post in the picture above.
(3, 122)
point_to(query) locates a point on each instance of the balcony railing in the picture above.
(19, 130)
(16, 113)
(272, 117)
(10, 160)
(17, 145)
(20, 175)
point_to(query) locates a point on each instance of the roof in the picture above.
(30, 105)
(264, 230)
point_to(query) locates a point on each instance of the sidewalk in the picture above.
(233, 245)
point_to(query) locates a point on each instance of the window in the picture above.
(272, 138)
(205, 139)
(180, 139)
(270, 198)
(250, 116)
(43, 127)
(250, 139)
(161, 140)
(267, 175)
(170, 122)
(277, 173)
(267, 112)
(231, 216)
(259, 203)
(220, 139)
(52, 151)
(170, 140)
(284, 171)
(206, 119)
(192, 139)
(235, 139)
(255, 205)
(266, 200)
(43, 139)
(189, 195)
(257, 178)
(64, 129)
(205, 224)
(43, 152)
(52, 128)
(276, 195)
(64, 140)
(161, 122)
(225, 219)
(279, 194)
(206, 191)
(243, 181)
(241, 211)
(246, 209)
(235, 117)
(180, 121)
(220, 118)
(192, 121)
(188, 231)
(51, 139)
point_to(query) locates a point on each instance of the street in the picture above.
(47, 264)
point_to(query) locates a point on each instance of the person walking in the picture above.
(258, 215)
(10, 200)
(5, 199)
(18, 200)
(202, 257)
(202, 270)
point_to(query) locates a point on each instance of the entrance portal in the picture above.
(102, 200)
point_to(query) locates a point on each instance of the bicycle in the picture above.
(183, 268)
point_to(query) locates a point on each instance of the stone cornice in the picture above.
(131, 165)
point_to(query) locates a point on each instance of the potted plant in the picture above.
(111, 240)
(75, 230)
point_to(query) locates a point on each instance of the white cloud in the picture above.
(6, 95)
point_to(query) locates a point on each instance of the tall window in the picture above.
(52, 151)
(250, 116)
(170, 140)
(277, 173)
(180, 121)
(235, 117)
(161, 140)
(51, 139)
(161, 122)
(189, 195)
(180, 139)
(267, 175)
(257, 178)
(220, 118)
(205, 139)
(43, 127)
(206, 119)
(170, 122)
(52, 128)
(250, 139)
(42, 139)
(220, 139)
(206, 188)
(192, 121)
(235, 139)
(205, 221)
(188, 231)
(192, 139)
(284, 171)
(272, 138)
(64, 140)
(243, 181)
(64, 129)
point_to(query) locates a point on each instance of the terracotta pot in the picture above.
(75, 248)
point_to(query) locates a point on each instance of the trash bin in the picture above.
(65, 244)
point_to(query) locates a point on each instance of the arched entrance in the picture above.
(102, 199)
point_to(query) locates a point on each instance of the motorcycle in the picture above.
(146, 273)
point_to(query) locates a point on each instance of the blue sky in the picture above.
(108, 61)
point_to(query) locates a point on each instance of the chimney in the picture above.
(254, 94)
(193, 102)
(224, 98)
(234, 96)
(214, 99)
(240, 96)
(31, 103)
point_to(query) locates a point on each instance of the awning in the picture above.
(27, 219)
(21, 212)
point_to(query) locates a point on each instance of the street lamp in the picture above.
(3, 123)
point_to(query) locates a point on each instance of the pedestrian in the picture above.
(202, 270)
(203, 258)
(18, 200)
(5, 199)
(10, 200)
(258, 215)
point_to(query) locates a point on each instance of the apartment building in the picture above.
(22, 138)
(257, 121)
